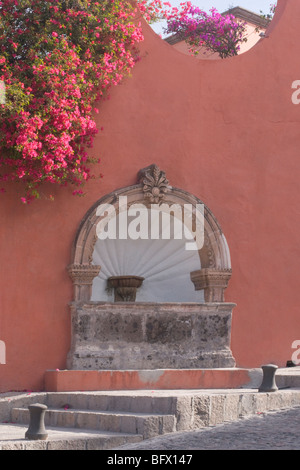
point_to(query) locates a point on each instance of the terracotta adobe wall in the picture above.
(226, 131)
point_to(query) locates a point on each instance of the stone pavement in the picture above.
(268, 431)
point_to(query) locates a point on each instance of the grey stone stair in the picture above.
(143, 424)
(131, 402)
(65, 439)
(107, 420)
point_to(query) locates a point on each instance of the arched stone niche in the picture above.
(157, 332)
(214, 258)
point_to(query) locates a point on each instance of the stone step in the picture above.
(288, 377)
(64, 439)
(151, 403)
(147, 425)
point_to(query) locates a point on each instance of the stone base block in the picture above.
(143, 336)
(105, 380)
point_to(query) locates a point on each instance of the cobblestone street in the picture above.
(271, 431)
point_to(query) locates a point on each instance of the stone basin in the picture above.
(125, 287)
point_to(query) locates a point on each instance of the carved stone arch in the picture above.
(153, 188)
(154, 332)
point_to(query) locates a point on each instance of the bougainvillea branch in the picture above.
(271, 13)
(57, 58)
(154, 10)
(212, 31)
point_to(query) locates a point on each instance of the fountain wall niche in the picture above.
(144, 302)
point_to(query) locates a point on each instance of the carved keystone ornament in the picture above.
(155, 183)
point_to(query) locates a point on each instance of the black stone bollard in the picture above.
(36, 430)
(268, 383)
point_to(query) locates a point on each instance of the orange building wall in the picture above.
(226, 131)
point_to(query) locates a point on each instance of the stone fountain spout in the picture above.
(125, 287)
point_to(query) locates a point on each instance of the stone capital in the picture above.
(213, 282)
(82, 276)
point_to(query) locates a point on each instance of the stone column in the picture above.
(213, 282)
(82, 276)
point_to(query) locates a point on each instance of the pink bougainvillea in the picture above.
(154, 10)
(60, 57)
(212, 31)
(57, 58)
